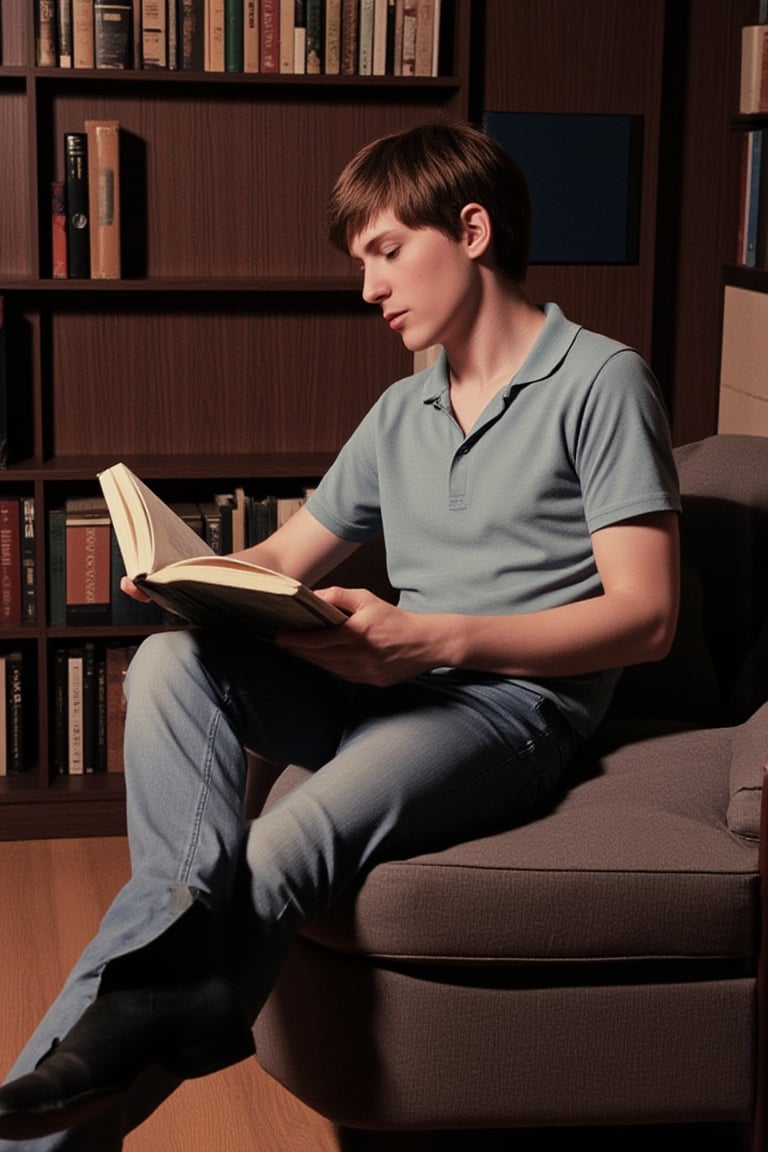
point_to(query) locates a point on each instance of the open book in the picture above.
(168, 560)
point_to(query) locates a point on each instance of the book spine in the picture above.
(365, 38)
(389, 61)
(83, 48)
(28, 561)
(10, 563)
(753, 198)
(137, 34)
(104, 198)
(57, 568)
(753, 90)
(112, 35)
(64, 32)
(46, 53)
(14, 712)
(286, 36)
(233, 36)
(270, 36)
(118, 658)
(761, 254)
(192, 35)
(215, 36)
(58, 231)
(300, 36)
(88, 549)
(75, 764)
(90, 706)
(76, 183)
(349, 42)
(172, 25)
(101, 713)
(314, 63)
(154, 34)
(379, 50)
(60, 688)
(251, 29)
(332, 41)
(425, 33)
(410, 12)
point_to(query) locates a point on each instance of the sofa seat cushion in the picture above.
(635, 861)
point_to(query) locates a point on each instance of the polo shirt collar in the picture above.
(545, 357)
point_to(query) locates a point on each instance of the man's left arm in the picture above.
(632, 622)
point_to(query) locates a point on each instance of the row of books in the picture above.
(18, 573)
(89, 707)
(85, 205)
(12, 749)
(752, 250)
(332, 37)
(85, 566)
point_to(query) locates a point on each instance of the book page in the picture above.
(149, 533)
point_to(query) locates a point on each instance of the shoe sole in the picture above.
(29, 1125)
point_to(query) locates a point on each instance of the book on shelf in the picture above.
(83, 46)
(64, 33)
(753, 91)
(233, 36)
(74, 713)
(117, 659)
(12, 732)
(172, 35)
(113, 33)
(76, 186)
(408, 38)
(215, 36)
(365, 38)
(251, 29)
(10, 562)
(300, 37)
(46, 51)
(154, 34)
(331, 43)
(103, 146)
(88, 555)
(753, 208)
(350, 12)
(59, 269)
(168, 560)
(191, 38)
(28, 531)
(269, 36)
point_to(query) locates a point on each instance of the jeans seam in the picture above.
(204, 793)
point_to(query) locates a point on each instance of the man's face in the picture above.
(421, 279)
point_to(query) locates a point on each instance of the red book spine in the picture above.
(59, 231)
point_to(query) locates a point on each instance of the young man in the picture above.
(527, 496)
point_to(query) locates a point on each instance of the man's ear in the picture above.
(477, 229)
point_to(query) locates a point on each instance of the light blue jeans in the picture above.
(396, 772)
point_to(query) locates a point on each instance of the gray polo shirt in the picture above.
(499, 521)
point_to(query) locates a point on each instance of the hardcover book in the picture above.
(10, 562)
(112, 34)
(58, 230)
(104, 198)
(76, 182)
(168, 560)
(82, 33)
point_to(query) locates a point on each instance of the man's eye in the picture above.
(391, 253)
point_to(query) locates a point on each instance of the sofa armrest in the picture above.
(748, 764)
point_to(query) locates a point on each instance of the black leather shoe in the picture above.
(191, 1030)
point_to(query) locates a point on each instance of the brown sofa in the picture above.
(600, 965)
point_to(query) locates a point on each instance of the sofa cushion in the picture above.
(748, 764)
(634, 861)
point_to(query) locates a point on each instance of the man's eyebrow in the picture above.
(377, 239)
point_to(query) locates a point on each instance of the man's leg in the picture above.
(426, 764)
(193, 699)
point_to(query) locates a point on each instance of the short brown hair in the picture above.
(426, 175)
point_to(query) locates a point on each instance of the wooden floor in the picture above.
(52, 896)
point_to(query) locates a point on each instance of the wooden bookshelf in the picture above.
(236, 349)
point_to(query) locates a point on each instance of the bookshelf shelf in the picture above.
(236, 350)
